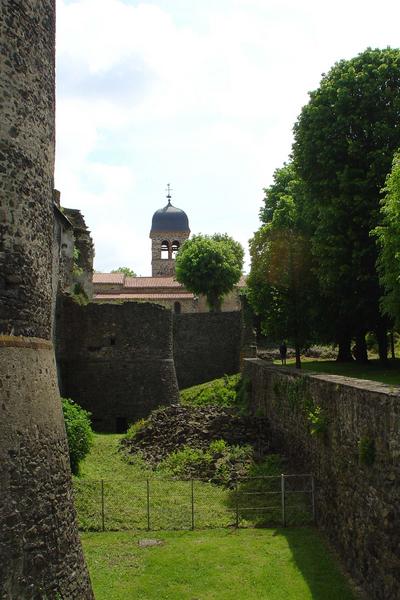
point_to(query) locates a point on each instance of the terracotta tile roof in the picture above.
(151, 282)
(177, 296)
(108, 278)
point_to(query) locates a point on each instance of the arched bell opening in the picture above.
(165, 253)
(175, 248)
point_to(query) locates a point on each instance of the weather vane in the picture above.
(168, 190)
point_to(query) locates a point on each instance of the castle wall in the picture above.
(115, 359)
(357, 503)
(40, 553)
(206, 346)
(82, 274)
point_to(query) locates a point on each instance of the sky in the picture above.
(201, 94)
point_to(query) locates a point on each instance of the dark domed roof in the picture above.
(170, 218)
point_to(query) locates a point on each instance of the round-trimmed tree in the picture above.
(210, 265)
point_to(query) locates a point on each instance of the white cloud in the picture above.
(204, 95)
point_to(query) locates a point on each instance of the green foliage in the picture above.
(296, 393)
(220, 462)
(135, 428)
(366, 451)
(79, 295)
(317, 420)
(221, 392)
(388, 236)
(126, 271)
(79, 432)
(210, 265)
(76, 269)
(281, 287)
(243, 393)
(345, 139)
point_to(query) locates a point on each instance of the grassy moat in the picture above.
(205, 564)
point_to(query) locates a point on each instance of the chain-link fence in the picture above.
(155, 504)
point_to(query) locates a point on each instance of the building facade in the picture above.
(169, 230)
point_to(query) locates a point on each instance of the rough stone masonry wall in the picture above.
(206, 346)
(357, 503)
(115, 360)
(40, 553)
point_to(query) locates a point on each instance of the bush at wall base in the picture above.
(79, 432)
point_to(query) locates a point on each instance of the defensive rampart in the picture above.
(40, 552)
(115, 360)
(347, 432)
(206, 346)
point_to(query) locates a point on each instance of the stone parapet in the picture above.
(347, 433)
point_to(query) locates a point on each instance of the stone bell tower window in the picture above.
(175, 248)
(164, 249)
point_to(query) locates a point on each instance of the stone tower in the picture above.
(40, 552)
(169, 229)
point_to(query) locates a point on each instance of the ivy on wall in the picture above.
(297, 394)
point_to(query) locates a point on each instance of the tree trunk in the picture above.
(214, 303)
(360, 350)
(344, 354)
(381, 336)
(298, 359)
(392, 345)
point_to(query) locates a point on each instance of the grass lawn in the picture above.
(125, 495)
(373, 370)
(291, 564)
(122, 497)
(205, 564)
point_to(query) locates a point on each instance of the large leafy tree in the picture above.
(281, 285)
(388, 235)
(345, 139)
(210, 265)
(127, 271)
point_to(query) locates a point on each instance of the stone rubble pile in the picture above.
(169, 429)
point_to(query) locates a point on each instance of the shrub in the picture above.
(79, 432)
(318, 421)
(187, 462)
(219, 462)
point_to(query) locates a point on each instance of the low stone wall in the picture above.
(347, 433)
(116, 360)
(206, 346)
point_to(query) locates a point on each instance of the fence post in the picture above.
(283, 500)
(313, 497)
(148, 504)
(237, 504)
(102, 505)
(192, 491)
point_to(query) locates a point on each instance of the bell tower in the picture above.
(169, 229)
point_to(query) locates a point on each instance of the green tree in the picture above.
(281, 286)
(79, 432)
(126, 271)
(388, 236)
(210, 265)
(345, 139)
